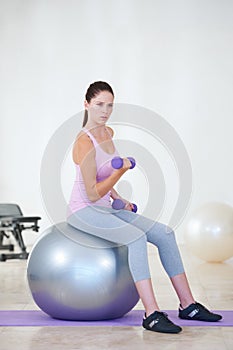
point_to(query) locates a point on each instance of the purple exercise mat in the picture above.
(132, 319)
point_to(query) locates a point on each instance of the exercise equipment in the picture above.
(12, 221)
(74, 275)
(117, 162)
(209, 233)
(119, 204)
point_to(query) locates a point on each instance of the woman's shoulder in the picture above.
(83, 139)
(110, 130)
(82, 135)
(82, 146)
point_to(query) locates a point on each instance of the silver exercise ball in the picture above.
(209, 233)
(76, 276)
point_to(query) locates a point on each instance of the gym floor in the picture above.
(212, 285)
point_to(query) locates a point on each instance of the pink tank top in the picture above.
(79, 198)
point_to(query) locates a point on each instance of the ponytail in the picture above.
(85, 118)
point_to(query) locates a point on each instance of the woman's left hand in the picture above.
(128, 206)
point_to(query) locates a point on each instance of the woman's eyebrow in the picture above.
(103, 101)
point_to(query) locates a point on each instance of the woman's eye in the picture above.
(101, 104)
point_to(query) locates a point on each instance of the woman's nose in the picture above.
(105, 109)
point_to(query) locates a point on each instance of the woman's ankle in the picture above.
(149, 312)
(185, 304)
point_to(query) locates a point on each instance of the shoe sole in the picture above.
(193, 319)
(161, 331)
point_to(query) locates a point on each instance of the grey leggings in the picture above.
(127, 228)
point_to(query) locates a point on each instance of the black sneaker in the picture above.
(198, 312)
(159, 322)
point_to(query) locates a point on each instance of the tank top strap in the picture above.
(91, 137)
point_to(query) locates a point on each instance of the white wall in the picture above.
(173, 57)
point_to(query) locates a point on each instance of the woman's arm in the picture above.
(84, 155)
(115, 194)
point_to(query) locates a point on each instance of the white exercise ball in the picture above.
(209, 232)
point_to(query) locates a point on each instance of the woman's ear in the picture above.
(85, 104)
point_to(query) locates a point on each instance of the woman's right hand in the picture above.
(126, 165)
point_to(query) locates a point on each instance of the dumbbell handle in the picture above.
(119, 204)
(117, 162)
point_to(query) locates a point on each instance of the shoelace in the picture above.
(202, 307)
(166, 316)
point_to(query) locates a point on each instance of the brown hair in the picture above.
(92, 91)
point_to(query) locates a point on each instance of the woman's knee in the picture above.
(161, 233)
(139, 244)
(168, 234)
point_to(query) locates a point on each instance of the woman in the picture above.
(90, 210)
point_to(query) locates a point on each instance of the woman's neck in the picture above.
(98, 130)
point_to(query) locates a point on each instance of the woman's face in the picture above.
(100, 108)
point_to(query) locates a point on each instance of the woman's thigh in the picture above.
(103, 223)
(154, 230)
(142, 222)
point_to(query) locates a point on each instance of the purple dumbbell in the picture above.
(119, 204)
(117, 162)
